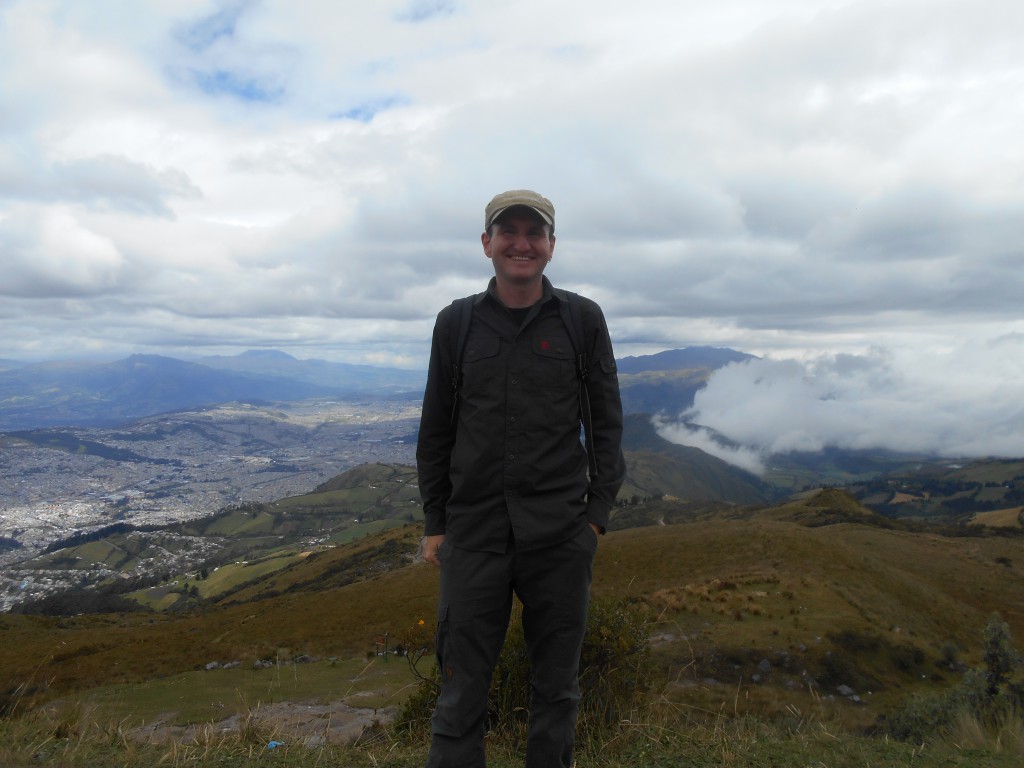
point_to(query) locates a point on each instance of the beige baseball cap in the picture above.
(519, 197)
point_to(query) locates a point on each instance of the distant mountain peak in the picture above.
(266, 354)
(142, 357)
(681, 359)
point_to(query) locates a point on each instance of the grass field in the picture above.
(77, 738)
(756, 621)
(1000, 518)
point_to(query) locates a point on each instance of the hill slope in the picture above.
(819, 604)
(656, 467)
(683, 359)
(364, 500)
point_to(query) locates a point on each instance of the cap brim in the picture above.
(544, 217)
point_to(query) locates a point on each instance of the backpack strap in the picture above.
(572, 317)
(463, 310)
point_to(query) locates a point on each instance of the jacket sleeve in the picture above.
(437, 432)
(606, 417)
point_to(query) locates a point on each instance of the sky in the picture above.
(834, 186)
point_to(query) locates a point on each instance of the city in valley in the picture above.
(158, 470)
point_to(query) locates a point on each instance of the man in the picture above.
(509, 503)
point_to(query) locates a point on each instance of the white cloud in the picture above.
(109, 181)
(800, 180)
(957, 402)
(750, 459)
(50, 254)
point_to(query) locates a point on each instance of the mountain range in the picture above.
(104, 394)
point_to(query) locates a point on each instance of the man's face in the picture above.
(519, 245)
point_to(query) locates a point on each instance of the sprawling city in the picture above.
(173, 467)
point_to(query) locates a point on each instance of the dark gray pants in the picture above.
(553, 585)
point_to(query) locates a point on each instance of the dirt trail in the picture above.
(311, 725)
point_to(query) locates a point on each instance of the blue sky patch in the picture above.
(221, 82)
(366, 111)
(201, 34)
(425, 10)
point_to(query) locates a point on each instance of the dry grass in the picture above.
(663, 741)
(1004, 736)
(726, 595)
(1000, 518)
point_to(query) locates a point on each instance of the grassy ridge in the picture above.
(757, 618)
(61, 656)
(849, 603)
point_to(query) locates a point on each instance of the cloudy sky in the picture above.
(836, 186)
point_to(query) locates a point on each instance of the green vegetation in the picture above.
(986, 705)
(949, 493)
(816, 632)
(76, 738)
(657, 468)
(626, 721)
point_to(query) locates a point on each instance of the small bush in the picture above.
(999, 655)
(614, 675)
(986, 702)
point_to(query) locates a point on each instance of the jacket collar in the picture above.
(492, 291)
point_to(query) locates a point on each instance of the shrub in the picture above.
(999, 655)
(614, 675)
(987, 699)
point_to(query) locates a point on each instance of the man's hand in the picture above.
(596, 529)
(430, 546)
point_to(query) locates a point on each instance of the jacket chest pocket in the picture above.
(552, 364)
(481, 369)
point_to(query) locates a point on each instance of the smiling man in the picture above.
(513, 502)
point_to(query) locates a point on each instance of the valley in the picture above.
(57, 483)
(74, 464)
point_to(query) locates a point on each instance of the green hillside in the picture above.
(951, 492)
(819, 603)
(656, 467)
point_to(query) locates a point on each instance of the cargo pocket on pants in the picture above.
(451, 715)
(469, 639)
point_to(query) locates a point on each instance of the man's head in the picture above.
(519, 240)
(520, 201)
